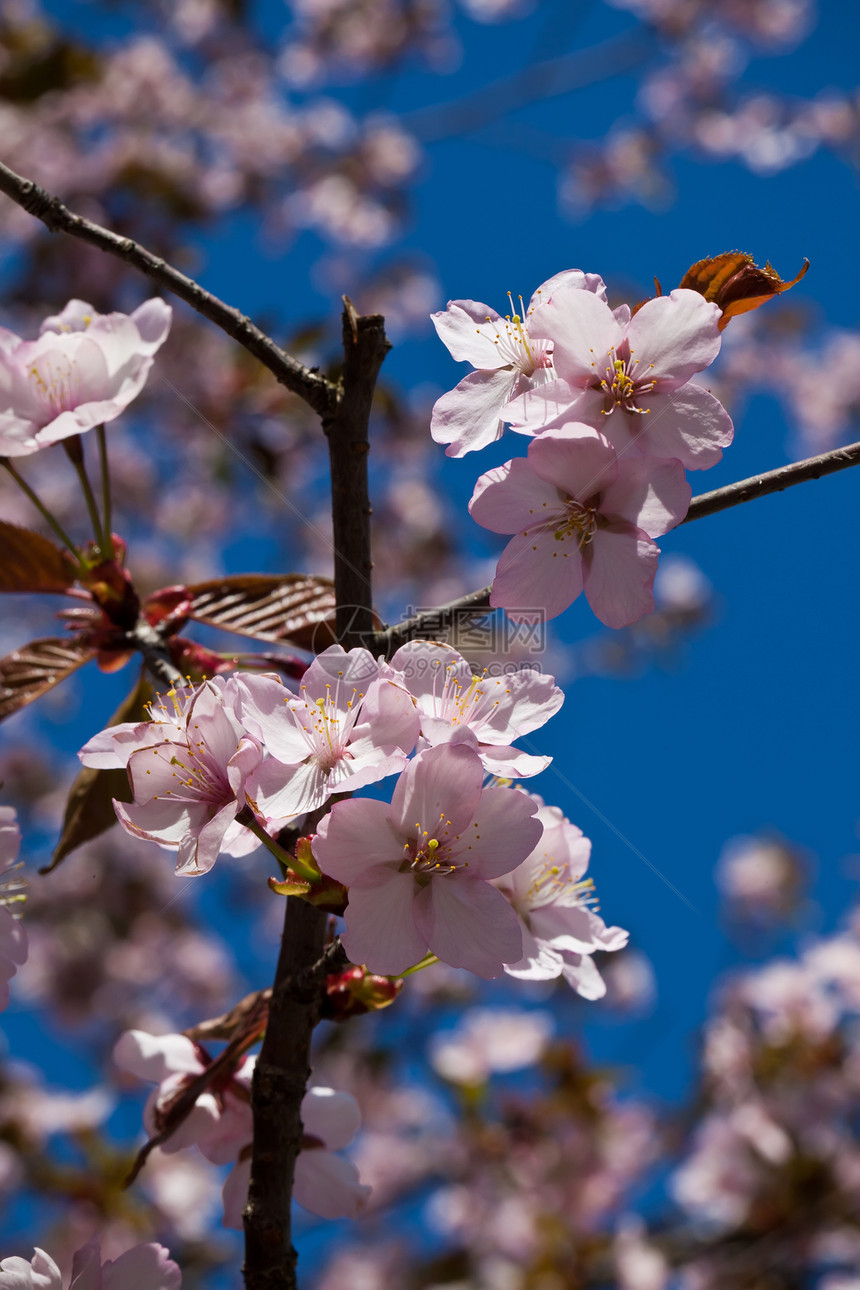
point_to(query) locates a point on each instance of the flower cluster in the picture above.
(615, 419)
(481, 877)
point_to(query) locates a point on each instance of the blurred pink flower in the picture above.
(144, 1267)
(418, 869)
(346, 729)
(13, 937)
(219, 1123)
(486, 1040)
(630, 376)
(551, 899)
(325, 1183)
(508, 362)
(496, 709)
(571, 500)
(84, 369)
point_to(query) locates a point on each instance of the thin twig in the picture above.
(144, 638)
(316, 390)
(719, 499)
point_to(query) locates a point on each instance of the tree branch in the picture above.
(283, 1067)
(316, 390)
(365, 346)
(719, 499)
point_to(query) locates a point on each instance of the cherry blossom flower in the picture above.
(84, 369)
(219, 1123)
(487, 1040)
(13, 937)
(583, 520)
(507, 359)
(553, 901)
(189, 780)
(325, 1183)
(630, 376)
(418, 869)
(496, 709)
(347, 728)
(144, 1267)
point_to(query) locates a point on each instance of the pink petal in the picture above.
(87, 1267)
(580, 972)
(690, 424)
(146, 1267)
(283, 792)
(354, 839)
(619, 575)
(152, 320)
(466, 328)
(469, 417)
(576, 458)
(568, 278)
(540, 405)
(582, 329)
(503, 833)
(154, 1057)
(650, 493)
(389, 721)
(380, 924)
(512, 497)
(166, 822)
(443, 783)
(331, 1116)
(510, 763)
(468, 924)
(235, 1193)
(537, 574)
(41, 1273)
(328, 1185)
(675, 336)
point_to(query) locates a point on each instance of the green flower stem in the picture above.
(75, 454)
(428, 960)
(282, 856)
(43, 510)
(106, 497)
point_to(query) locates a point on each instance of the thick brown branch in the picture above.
(719, 499)
(364, 346)
(320, 393)
(280, 1080)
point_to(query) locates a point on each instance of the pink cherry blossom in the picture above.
(325, 1183)
(84, 369)
(189, 779)
(496, 709)
(418, 869)
(630, 376)
(144, 1267)
(583, 520)
(347, 728)
(553, 901)
(219, 1123)
(13, 937)
(508, 362)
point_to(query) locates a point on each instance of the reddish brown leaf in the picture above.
(89, 808)
(269, 607)
(37, 667)
(736, 283)
(31, 562)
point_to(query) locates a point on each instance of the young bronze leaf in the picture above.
(31, 562)
(736, 283)
(37, 667)
(269, 607)
(89, 809)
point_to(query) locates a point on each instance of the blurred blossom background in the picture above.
(696, 1128)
